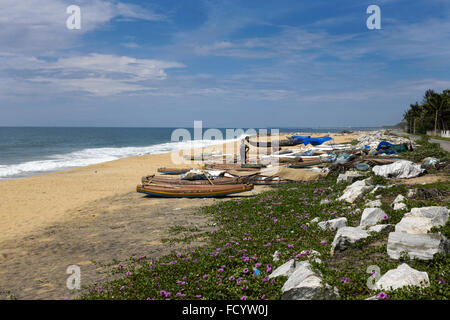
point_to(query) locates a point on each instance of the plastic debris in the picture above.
(398, 169)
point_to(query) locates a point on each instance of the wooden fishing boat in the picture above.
(261, 180)
(253, 165)
(228, 166)
(192, 191)
(305, 164)
(174, 170)
(169, 180)
(267, 144)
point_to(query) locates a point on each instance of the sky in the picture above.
(245, 63)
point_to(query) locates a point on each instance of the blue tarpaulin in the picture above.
(313, 141)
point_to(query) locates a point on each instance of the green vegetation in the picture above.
(238, 257)
(440, 138)
(426, 149)
(432, 114)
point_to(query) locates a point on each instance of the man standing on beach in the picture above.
(243, 150)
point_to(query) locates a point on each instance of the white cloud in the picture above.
(39, 26)
(96, 74)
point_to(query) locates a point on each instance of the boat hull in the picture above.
(174, 170)
(174, 180)
(200, 191)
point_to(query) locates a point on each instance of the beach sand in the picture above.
(87, 214)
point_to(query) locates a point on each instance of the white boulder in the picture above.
(414, 225)
(355, 190)
(374, 204)
(381, 227)
(349, 176)
(403, 276)
(420, 246)
(305, 284)
(371, 216)
(333, 224)
(285, 269)
(346, 236)
(400, 206)
(438, 215)
(398, 199)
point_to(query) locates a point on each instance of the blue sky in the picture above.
(228, 63)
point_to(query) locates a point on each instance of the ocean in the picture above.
(28, 151)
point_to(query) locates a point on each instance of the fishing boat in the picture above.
(169, 180)
(228, 166)
(192, 191)
(174, 170)
(305, 164)
(253, 165)
(262, 180)
(268, 144)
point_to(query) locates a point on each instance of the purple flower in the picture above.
(205, 276)
(382, 295)
(198, 296)
(269, 268)
(121, 288)
(243, 298)
(245, 270)
(345, 280)
(231, 278)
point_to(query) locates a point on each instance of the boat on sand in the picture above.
(192, 191)
(175, 180)
(174, 170)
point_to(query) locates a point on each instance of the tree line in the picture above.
(433, 113)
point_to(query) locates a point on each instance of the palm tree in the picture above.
(434, 104)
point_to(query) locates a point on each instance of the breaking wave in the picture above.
(91, 156)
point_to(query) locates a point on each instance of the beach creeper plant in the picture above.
(253, 236)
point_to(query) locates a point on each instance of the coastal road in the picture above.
(444, 144)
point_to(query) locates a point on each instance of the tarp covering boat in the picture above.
(313, 141)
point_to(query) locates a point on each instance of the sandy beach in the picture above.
(88, 214)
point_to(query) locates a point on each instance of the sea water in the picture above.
(27, 151)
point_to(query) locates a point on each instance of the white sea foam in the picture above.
(91, 156)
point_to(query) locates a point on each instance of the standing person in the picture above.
(243, 151)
